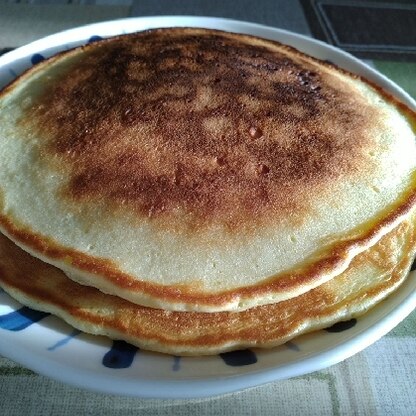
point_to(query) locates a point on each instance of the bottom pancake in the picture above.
(372, 276)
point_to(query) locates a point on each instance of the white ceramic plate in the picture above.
(50, 347)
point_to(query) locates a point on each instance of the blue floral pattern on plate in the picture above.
(121, 353)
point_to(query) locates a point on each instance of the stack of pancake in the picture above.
(193, 191)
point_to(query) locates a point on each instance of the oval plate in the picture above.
(49, 346)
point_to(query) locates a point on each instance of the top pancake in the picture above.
(193, 169)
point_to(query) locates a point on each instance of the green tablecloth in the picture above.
(380, 380)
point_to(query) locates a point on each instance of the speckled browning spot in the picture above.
(200, 124)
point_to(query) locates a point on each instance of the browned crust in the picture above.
(388, 96)
(193, 332)
(304, 276)
(143, 147)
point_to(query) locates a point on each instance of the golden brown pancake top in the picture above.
(202, 125)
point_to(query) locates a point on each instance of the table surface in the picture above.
(381, 379)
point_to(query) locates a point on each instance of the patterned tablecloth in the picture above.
(381, 379)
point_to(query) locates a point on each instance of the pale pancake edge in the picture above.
(372, 275)
(191, 169)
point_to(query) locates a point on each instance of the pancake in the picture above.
(372, 276)
(191, 169)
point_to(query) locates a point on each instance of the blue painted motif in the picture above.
(21, 319)
(342, 326)
(65, 340)
(36, 58)
(94, 38)
(121, 355)
(176, 363)
(292, 346)
(12, 73)
(239, 358)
